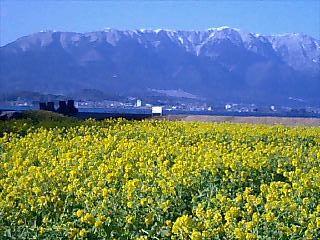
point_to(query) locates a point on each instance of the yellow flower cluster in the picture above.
(119, 179)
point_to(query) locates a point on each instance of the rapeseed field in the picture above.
(119, 179)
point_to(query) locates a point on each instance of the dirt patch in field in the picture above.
(252, 120)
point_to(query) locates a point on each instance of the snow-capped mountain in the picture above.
(218, 63)
(298, 50)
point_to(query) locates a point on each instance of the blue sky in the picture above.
(19, 18)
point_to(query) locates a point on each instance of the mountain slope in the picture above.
(220, 64)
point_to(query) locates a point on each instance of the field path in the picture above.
(252, 120)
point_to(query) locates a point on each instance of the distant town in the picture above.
(139, 105)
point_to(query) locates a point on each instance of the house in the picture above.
(156, 111)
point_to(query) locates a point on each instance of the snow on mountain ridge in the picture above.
(298, 50)
(196, 38)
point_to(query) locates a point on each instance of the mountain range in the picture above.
(218, 64)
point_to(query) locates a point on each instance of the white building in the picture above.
(272, 108)
(228, 106)
(139, 103)
(156, 111)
